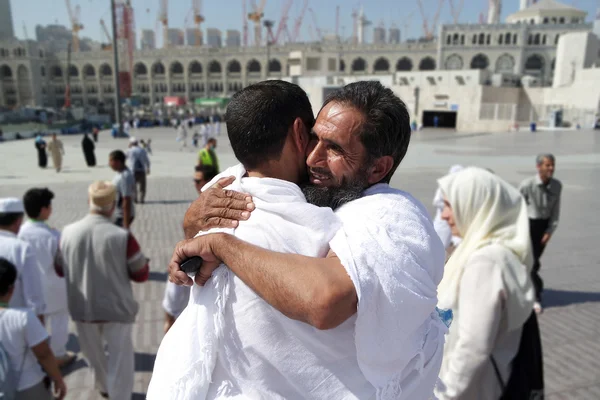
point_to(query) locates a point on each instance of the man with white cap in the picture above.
(139, 163)
(28, 287)
(99, 290)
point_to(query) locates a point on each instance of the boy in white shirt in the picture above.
(25, 341)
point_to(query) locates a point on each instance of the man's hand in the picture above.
(217, 208)
(546, 238)
(201, 246)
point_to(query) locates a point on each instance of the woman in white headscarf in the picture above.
(486, 283)
(440, 225)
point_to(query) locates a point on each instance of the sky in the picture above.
(227, 14)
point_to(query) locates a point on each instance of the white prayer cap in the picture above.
(11, 205)
(102, 194)
(133, 140)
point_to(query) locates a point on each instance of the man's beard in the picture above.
(336, 197)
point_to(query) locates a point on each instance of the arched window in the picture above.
(214, 67)
(274, 66)
(427, 64)
(359, 65)
(140, 69)
(480, 61)
(462, 39)
(500, 38)
(481, 38)
(176, 68)
(404, 64)
(105, 70)
(253, 66)
(544, 39)
(507, 38)
(381, 65)
(448, 39)
(536, 39)
(158, 69)
(234, 67)
(195, 67)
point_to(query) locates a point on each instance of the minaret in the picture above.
(523, 4)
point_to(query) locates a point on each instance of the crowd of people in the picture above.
(318, 280)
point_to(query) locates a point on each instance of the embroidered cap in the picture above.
(102, 193)
(11, 205)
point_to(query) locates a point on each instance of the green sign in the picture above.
(212, 101)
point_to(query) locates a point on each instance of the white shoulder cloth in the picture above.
(395, 260)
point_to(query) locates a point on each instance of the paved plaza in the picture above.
(570, 325)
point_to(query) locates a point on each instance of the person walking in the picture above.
(40, 146)
(24, 344)
(95, 132)
(542, 194)
(207, 156)
(487, 285)
(88, 150)
(139, 164)
(99, 291)
(44, 240)
(124, 183)
(28, 291)
(57, 150)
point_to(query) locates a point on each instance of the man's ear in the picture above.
(300, 135)
(380, 168)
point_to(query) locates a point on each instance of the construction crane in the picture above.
(76, 26)
(163, 17)
(245, 23)
(406, 25)
(282, 26)
(337, 23)
(267, 23)
(298, 24)
(198, 20)
(256, 16)
(108, 46)
(427, 31)
(455, 11)
(316, 24)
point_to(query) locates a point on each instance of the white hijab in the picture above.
(488, 210)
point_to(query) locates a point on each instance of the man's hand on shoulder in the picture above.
(217, 207)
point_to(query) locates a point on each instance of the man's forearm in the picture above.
(317, 291)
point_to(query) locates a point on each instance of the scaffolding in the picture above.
(125, 39)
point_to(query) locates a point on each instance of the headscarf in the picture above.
(438, 198)
(488, 210)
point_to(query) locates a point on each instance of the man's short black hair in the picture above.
(386, 128)
(7, 219)
(8, 275)
(35, 199)
(117, 155)
(208, 171)
(260, 116)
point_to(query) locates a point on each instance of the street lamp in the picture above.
(269, 25)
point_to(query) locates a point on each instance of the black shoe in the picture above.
(104, 394)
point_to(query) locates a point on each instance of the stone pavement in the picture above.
(570, 325)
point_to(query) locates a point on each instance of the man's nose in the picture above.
(316, 156)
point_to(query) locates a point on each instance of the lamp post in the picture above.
(116, 67)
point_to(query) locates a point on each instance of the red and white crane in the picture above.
(456, 10)
(316, 24)
(429, 31)
(282, 26)
(298, 24)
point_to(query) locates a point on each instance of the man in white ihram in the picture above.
(371, 299)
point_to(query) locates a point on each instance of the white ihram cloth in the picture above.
(44, 241)
(395, 260)
(249, 350)
(486, 282)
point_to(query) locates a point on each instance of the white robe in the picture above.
(229, 335)
(44, 241)
(395, 260)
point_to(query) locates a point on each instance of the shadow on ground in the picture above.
(561, 298)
